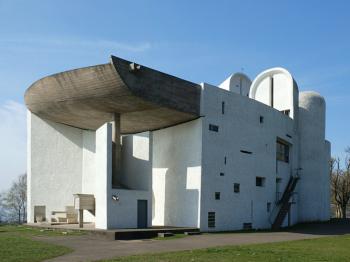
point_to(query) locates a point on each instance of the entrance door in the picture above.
(141, 213)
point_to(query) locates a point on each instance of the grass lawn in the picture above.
(321, 249)
(16, 244)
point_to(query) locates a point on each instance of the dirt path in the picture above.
(88, 248)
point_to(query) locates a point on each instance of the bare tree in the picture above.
(15, 199)
(340, 185)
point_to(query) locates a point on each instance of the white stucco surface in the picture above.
(177, 174)
(240, 129)
(55, 166)
(179, 169)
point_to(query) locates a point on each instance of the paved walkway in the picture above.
(88, 248)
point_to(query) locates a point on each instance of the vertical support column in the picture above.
(81, 218)
(116, 151)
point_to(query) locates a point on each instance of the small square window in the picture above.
(213, 128)
(217, 195)
(236, 187)
(222, 174)
(268, 207)
(260, 181)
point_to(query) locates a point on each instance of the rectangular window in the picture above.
(217, 195)
(236, 187)
(268, 207)
(246, 152)
(247, 225)
(222, 174)
(260, 181)
(223, 107)
(225, 160)
(282, 151)
(286, 112)
(214, 128)
(211, 219)
(261, 119)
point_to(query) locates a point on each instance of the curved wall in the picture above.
(238, 83)
(314, 155)
(276, 87)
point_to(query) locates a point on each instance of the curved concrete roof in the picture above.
(88, 97)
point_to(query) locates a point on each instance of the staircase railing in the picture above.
(282, 205)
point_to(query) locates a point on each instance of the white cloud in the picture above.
(12, 141)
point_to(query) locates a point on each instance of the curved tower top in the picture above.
(277, 88)
(238, 83)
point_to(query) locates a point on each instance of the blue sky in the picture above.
(201, 41)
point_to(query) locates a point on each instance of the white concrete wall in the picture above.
(314, 155)
(103, 179)
(177, 175)
(240, 129)
(54, 165)
(238, 83)
(280, 83)
(123, 213)
(137, 161)
(89, 169)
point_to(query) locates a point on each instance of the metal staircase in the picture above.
(283, 203)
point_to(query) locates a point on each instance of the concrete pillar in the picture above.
(116, 151)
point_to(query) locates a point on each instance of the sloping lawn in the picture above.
(321, 249)
(16, 244)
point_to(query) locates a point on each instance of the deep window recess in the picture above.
(261, 119)
(217, 195)
(268, 207)
(286, 112)
(247, 225)
(282, 151)
(222, 174)
(246, 152)
(260, 181)
(214, 128)
(223, 107)
(211, 219)
(225, 160)
(236, 187)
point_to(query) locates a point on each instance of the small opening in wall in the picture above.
(287, 135)
(247, 225)
(225, 161)
(246, 152)
(286, 112)
(260, 181)
(223, 107)
(217, 195)
(211, 219)
(236, 188)
(213, 128)
(261, 119)
(268, 207)
(222, 174)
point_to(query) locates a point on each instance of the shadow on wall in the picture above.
(177, 175)
(137, 161)
(181, 201)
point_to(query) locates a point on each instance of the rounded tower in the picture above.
(314, 154)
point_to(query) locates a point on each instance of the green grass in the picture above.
(321, 249)
(17, 244)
